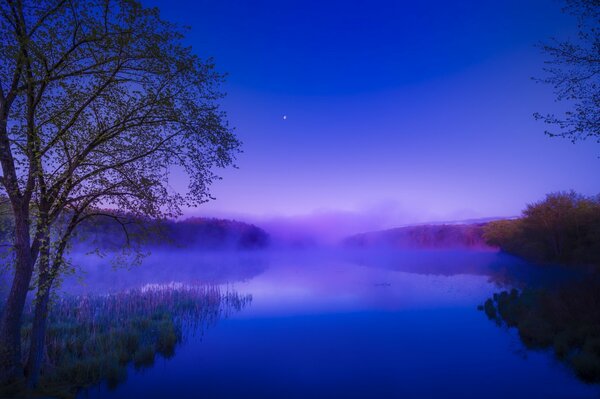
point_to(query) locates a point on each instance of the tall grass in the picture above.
(93, 338)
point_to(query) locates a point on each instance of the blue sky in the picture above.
(412, 110)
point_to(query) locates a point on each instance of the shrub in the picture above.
(563, 228)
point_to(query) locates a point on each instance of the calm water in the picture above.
(348, 325)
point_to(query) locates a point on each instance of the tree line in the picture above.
(564, 228)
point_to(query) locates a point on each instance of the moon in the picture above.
(284, 117)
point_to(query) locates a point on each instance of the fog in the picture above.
(309, 247)
(108, 274)
(317, 280)
(329, 228)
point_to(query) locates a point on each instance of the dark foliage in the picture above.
(564, 228)
(443, 236)
(573, 71)
(196, 233)
(100, 102)
(566, 319)
(93, 339)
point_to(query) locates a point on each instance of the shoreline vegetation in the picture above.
(94, 338)
(562, 229)
(106, 232)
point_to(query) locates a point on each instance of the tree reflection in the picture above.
(564, 318)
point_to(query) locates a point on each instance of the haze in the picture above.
(396, 113)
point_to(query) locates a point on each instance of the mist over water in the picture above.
(355, 196)
(332, 322)
(103, 274)
(287, 281)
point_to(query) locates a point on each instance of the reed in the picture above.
(94, 338)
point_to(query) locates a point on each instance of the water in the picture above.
(348, 325)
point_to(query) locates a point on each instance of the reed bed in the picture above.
(94, 338)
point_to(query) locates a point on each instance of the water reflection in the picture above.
(99, 275)
(562, 317)
(349, 324)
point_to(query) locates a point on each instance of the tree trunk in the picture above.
(38, 331)
(10, 323)
(48, 267)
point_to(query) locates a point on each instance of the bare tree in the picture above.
(573, 70)
(99, 104)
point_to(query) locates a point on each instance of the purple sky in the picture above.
(396, 112)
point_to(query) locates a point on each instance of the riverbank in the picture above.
(95, 338)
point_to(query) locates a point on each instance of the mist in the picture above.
(329, 228)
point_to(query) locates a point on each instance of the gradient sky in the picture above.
(409, 111)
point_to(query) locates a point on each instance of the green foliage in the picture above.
(99, 102)
(563, 228)
(91, 339)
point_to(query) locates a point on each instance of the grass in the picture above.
(93, 338)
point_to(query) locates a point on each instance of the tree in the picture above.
(573, 70)
(563, 228)
(552, 222)
(100, 102)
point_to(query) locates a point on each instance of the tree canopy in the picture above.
(101, 103)
(563, 228)
(573, 70)
(104, 103)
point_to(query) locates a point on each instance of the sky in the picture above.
(380, 113)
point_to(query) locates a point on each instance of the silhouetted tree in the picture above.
(99, 103)
(573, 70)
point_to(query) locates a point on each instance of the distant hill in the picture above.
(437, 236)
(211, 233)
(192, 233)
